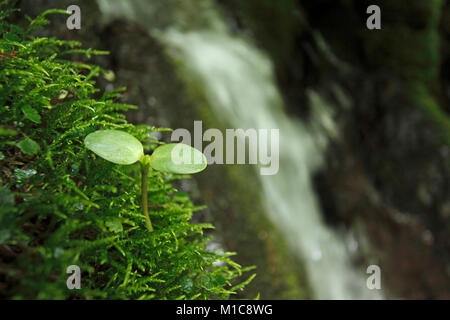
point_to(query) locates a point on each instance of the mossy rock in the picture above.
(61, 205)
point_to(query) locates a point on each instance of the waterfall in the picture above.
(238, 83)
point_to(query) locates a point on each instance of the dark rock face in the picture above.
(391, 167)
(397, 152)
(389, 172)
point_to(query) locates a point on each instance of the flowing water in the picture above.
(238, 83)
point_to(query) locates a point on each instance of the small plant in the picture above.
(122, 148)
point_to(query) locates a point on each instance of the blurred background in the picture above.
(364, 129)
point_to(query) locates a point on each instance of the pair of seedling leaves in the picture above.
(122, 148)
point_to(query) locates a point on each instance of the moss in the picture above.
(284, 272)
(420, 64)
(60, 205)
(409, 47)
(421, 96)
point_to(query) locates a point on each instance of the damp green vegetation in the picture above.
(391, 49)
(62, 205)
(424, 99)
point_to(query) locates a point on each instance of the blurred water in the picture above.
(237, 80)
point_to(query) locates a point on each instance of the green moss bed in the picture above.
(60, 205)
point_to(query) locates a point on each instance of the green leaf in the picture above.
(114, 225)
(31, 114)
(187, 285)
(115, 146)
(6, 198)
(11, 37)
(29, 146)
(4, 235)
(178, 158)
(24, 174)
(7, 132)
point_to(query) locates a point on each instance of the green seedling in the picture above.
(122, 148)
